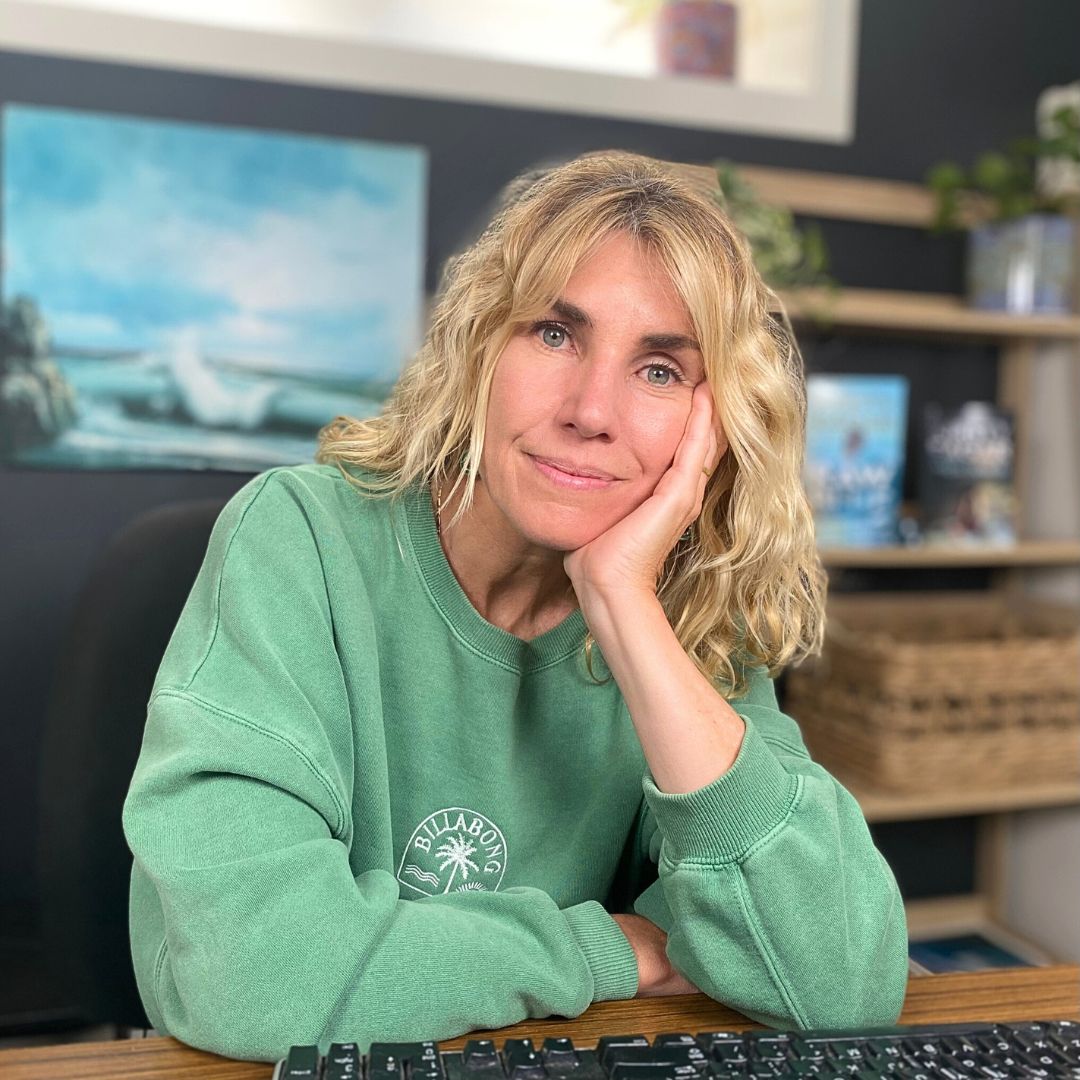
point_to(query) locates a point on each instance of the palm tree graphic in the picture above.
(457, 851)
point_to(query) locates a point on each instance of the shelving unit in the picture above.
(890, 806)
(934, 317)
(1023, 553)
(923, 314)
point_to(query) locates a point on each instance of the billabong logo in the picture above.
(454, 850)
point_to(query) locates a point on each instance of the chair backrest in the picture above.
(105, 669)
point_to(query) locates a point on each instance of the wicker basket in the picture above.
(918, 693)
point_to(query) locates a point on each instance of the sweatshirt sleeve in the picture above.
(259, 917)
(774, 898)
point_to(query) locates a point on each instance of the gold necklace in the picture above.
(438, 510)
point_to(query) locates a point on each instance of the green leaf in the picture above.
(945, 176)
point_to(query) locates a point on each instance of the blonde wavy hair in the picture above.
(747, 585)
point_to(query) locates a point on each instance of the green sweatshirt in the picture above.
(363, 812)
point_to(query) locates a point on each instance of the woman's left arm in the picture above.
(774, 897)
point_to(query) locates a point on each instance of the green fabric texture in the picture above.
(362, 812)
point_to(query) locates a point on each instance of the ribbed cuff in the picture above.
(723, 820)
(609, 954)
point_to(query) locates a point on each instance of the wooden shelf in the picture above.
(930, 314)
(843, 198)
(880, 805)
(850, 198)
(1024, 553)
(946, 916)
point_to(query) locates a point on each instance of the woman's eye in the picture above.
(552, 336)
(661, 375)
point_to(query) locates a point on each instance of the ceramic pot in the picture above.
(697, 37)
(1023, 266)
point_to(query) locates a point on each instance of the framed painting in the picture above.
(783, 68)
(192, 296)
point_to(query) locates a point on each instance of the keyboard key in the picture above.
(560, 1054)
(1065, 1034)
(526, 1070)
(610, 1042)
(301, 1063)
(676, 1054)
(707, 1038)
(729, 1054)
(686, 1046)
(514, 1046)
(768, 1047)
(652, 1071)
(386, 1061)
(761, 1070)
(481, 1055)
(634, 1062)
(343, 1062)
(801, 1068)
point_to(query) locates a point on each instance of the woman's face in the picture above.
(589, 403)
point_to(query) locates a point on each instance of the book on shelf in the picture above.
(974, 950)
(854, 465)
(966, 476)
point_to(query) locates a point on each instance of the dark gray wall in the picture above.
(935, 80)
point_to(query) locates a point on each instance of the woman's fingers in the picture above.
(696, 456)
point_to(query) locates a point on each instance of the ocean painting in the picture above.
(186, 296)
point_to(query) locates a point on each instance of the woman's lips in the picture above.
(574, 481)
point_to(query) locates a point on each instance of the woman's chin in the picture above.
(563, 535)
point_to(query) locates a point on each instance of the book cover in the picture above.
(854, 465)
(966, 475)
(964, 952)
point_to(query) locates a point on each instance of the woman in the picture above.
(472, 720)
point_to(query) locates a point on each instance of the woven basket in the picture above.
(918, 693)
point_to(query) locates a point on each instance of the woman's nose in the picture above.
(590, 405)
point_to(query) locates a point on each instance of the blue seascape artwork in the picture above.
(186, 296)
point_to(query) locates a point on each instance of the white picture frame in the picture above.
(324, 43)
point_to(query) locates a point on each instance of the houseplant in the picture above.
(1022, 237)
(787, 256)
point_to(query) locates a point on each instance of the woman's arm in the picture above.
(782, 907)
(251, 931)
(265, 910)
(773, 896)
(689, 733)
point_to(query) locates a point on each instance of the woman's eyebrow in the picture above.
(669, 341)
(573, 314)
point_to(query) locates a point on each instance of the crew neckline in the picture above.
(490, 641)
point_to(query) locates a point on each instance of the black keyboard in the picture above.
(1049, 1050)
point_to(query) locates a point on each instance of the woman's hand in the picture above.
(631, 554)
(656, 976)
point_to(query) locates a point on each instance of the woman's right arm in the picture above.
(260, 918)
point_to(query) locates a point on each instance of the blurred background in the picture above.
(222, 225)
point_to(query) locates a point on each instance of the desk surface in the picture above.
(1012, 994)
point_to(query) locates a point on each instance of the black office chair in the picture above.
(108, 659)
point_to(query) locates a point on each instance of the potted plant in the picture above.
(1022, 240)
(693, 37)
(786, 256)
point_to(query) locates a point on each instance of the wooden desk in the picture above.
(1013, 994)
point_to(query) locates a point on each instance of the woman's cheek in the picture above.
(663, 440)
